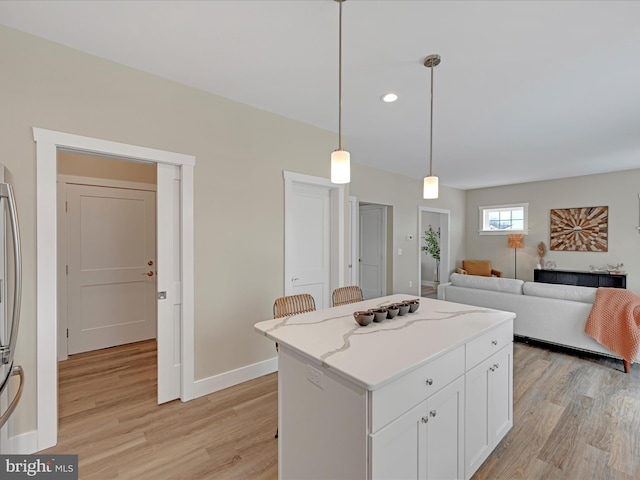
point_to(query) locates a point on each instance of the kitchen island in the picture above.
(424, 395)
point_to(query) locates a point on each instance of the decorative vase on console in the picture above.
(542, 250)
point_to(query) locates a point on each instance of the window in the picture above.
(504, 219)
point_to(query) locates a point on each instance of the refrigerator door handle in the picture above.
(17, 370)
(6, 190)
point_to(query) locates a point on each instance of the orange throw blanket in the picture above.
(614, 321)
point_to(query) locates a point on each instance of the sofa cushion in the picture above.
(497, 284)
(562, 292)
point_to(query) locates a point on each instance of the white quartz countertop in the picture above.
(375, 355)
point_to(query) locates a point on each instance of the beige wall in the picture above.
(241, 153)
(618, 191)
(405, 195)
(84, 165)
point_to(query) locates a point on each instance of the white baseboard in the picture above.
(23, 444)
(224, 380)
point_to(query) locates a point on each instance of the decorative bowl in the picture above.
(392, 311)
(414, 305)
(379, 314)
(404, 308)
(364, 317)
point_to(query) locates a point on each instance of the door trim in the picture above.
(47, 144)
(337, 252)
(353, 241)
(445, 244)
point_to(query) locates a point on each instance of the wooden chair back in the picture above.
(293, 304)
(344, 295)
(478, 267)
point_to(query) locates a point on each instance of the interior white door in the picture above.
(169, 284)
(309, 242)
(111, 280)
(372, 249)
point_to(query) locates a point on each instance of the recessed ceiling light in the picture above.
(389, 97)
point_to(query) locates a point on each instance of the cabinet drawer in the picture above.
(487, 344)
(398, 397)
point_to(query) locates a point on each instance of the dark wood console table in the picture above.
(584, 279)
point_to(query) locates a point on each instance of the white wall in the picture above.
(618, 190)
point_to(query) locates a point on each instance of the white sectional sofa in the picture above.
(551, 313)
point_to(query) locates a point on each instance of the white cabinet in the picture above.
(398, 451)
(422, 396)
(488, 406)
(426, 442)
(445, 433)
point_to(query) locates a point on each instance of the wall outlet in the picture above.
(410, 284)
(315, 376)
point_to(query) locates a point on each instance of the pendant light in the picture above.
(340, 159)
(430, 190)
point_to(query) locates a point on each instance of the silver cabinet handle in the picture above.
(293, 279)
(425, 419)
(432, 413)
(494, 342)
(429, 381)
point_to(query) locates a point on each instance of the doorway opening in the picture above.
(175, 202)
(106, 252)
(432, 272)
(314, 250)
(374, 241)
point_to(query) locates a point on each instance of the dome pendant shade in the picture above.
(430, 191)
(340, 166)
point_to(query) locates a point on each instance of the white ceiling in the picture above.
(527, 90)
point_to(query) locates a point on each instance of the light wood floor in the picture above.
(109, 416)
(576, 417)
(428, 292)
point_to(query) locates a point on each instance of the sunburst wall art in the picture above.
(580, 229)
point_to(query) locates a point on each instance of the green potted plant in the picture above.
(432, 247)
